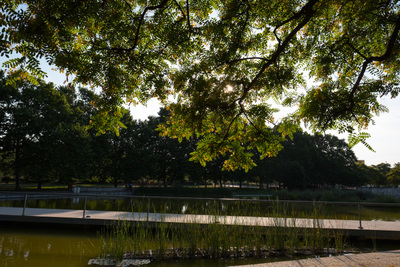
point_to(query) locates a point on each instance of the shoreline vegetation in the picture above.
(348, 195)
(167, 241)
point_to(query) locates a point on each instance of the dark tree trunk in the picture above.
(17, 166)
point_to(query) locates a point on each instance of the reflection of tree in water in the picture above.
(46, 247)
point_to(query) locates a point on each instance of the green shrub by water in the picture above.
(341, 195)
(183, 192)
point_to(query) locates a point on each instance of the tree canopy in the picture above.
(222, 61)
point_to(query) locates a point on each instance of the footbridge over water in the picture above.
(84, 217)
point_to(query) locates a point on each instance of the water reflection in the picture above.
(46, 247)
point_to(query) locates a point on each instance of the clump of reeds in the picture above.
(222, 236)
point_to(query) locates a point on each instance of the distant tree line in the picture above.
(45, 137)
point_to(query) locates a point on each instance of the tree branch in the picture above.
(180, 8)
(242, 59)
(356, 50)
(141, 19)
(308, 12)
(188, 18)
(295, 16)
(250, 121)
(385, 56)
(149, 8)
(229, 126)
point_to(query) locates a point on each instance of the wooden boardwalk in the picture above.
(370, 229)
(376, 259)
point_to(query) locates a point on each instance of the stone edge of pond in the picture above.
(122, 263)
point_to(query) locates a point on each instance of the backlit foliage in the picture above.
(193, 50)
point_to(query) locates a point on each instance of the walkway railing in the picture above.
(15, 196)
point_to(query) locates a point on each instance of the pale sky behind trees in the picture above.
(385, 134)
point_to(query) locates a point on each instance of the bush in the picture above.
(179, 191)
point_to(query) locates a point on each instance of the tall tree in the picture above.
(313, 161)
(169, 158)
(393, 176)
(383, 168)
(374, 177)
(42, 132)
(23, 111)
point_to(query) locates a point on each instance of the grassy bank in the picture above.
(218, 192)
(282, 194)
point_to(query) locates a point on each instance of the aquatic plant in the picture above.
(223, 236)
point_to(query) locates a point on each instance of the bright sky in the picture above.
(385, 134)
(385, 137)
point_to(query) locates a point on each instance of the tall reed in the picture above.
(225, 235)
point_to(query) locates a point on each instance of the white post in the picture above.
(84, 208)
(25, 199)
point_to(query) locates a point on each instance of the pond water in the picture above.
(40, 246)
(37, 246)
(43, 246)
(46, 247)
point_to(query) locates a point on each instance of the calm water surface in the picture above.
(41, 247)
(57, 247)
(60, 247)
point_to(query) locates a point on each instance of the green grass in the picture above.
(183, 191)
(340, 195)
(46, 186)
(212, 192)
(32, 187)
